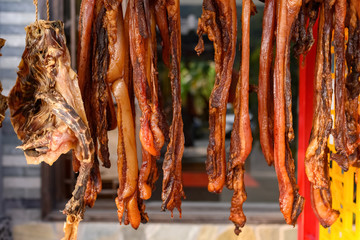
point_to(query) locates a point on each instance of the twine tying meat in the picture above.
(36, 8)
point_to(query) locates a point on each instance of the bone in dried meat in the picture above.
(218, 21)
(47, 110)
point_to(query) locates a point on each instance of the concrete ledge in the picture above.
(114, 231)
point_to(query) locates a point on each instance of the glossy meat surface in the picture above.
(291, 203)
(265, 96)
(172, 188)
(241, 137)
(218, 21)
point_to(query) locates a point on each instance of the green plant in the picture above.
(197, 81)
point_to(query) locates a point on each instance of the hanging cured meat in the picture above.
(291, 203)
(341, 155)
(47, 111)
(265, 93)
(352, 85)
(172, 188)
(84, 56)
(151, 136)
(316, 163)
(241, 137)
(219, 22)
(118, 76)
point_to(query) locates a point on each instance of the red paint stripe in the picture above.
(308, 225)
(200, 179)
(194, 179)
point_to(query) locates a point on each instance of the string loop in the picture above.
(48, 10)
(36, 8)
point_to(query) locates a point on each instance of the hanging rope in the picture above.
(36, 8)
(48, 10)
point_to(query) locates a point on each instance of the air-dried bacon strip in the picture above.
(339, 132)
(84, 50)
(147, 89)
(288, 100)
(352, 83)
(265, 100)
(218, 21)
(172, 188)
(127, 199)
(84, 65)
(354, 68)
(321, 203)
(291, 203)
(215, 162)
(321, 200)
(316, 158)
(303, 29)
(315, 166)
(151, 136)
(118, 75)
(100, 93)
(241, 137)
(162, 23)
(148, 175)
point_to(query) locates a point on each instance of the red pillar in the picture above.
(308, 225)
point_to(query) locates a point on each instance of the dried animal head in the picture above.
(46, 108)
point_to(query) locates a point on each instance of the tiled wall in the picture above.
(21, 182)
